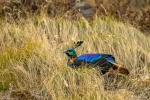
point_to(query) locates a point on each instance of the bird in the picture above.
(106, 62)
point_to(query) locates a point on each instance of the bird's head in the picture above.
(71, 53)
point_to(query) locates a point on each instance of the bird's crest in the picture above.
(77, 44)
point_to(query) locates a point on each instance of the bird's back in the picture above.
(91, 58)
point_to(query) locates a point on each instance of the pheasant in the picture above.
(106, 62)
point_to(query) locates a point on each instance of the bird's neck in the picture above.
(72, 59)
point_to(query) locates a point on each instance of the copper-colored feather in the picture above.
(121, 69)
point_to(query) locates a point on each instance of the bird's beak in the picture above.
(64, 51)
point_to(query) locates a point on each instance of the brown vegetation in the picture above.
(134, 12)
(128, 11)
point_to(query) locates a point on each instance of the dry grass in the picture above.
(32, 65)
(134, 12)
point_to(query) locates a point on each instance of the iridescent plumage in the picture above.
(103, 61)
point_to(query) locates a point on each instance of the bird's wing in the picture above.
(89, 58)
(108, 57)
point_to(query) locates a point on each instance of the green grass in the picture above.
(31, 58)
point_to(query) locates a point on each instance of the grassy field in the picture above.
(32, 65)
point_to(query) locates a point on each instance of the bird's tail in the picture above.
(121, 69)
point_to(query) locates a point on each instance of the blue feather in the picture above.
(90, 58)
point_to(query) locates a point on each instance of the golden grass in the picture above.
(135, 12)
(31, 59)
